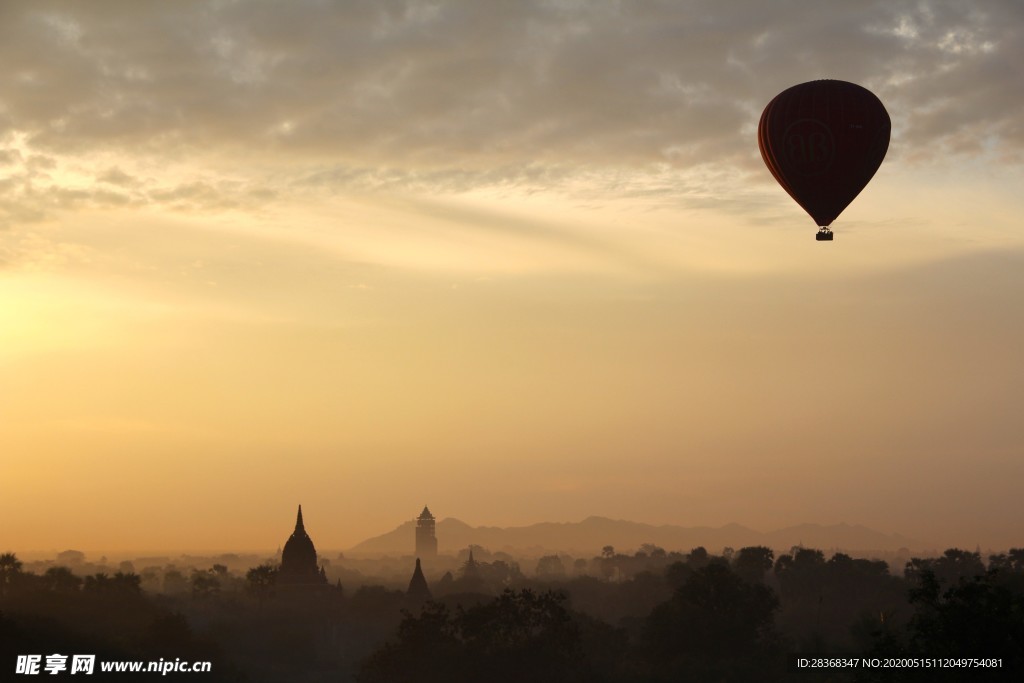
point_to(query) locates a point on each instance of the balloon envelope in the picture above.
(823, 141)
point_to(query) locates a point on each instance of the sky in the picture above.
(519, 261)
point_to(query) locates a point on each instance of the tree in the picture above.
(550, 565)
(752, 562)
(977, 614)
(10, 568)
(121, 582)
(518, 636)
(126, 582)
(428, 648)
(205, 585)
(174, 581)
(715, 627)
(714, 612)
(801, 574)
(97, 583)
(651, 550)
(677, 574)
(698, 558)
(953, 565)
(501, 572)
(71, 557)
(1016, 557)
(61, 580)
(608, 551)
(259, 582)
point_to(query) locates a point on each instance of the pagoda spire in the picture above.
(299, 559)
(418, 588)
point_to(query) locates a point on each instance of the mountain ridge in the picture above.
(591, 534)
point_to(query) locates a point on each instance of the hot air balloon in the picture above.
(823, 141)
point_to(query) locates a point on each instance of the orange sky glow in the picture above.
(518, 261)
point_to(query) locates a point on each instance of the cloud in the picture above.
(115, 176)
(9, 156)
(37, 187)
(213, 107)
(197, 106)
(464, 85)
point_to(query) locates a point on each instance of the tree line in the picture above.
(648, 617)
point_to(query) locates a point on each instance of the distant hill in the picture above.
(593, 533)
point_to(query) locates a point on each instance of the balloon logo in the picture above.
(810, 146)
(823, 142)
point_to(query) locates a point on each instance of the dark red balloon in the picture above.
(823, 141)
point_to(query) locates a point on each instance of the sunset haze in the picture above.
(521, 262)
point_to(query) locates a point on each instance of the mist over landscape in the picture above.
(413, 604)
(693, 326)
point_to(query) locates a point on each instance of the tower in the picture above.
(471, 570)
(426, 541)
(471, 580)
(298, 559)
(418, 589)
